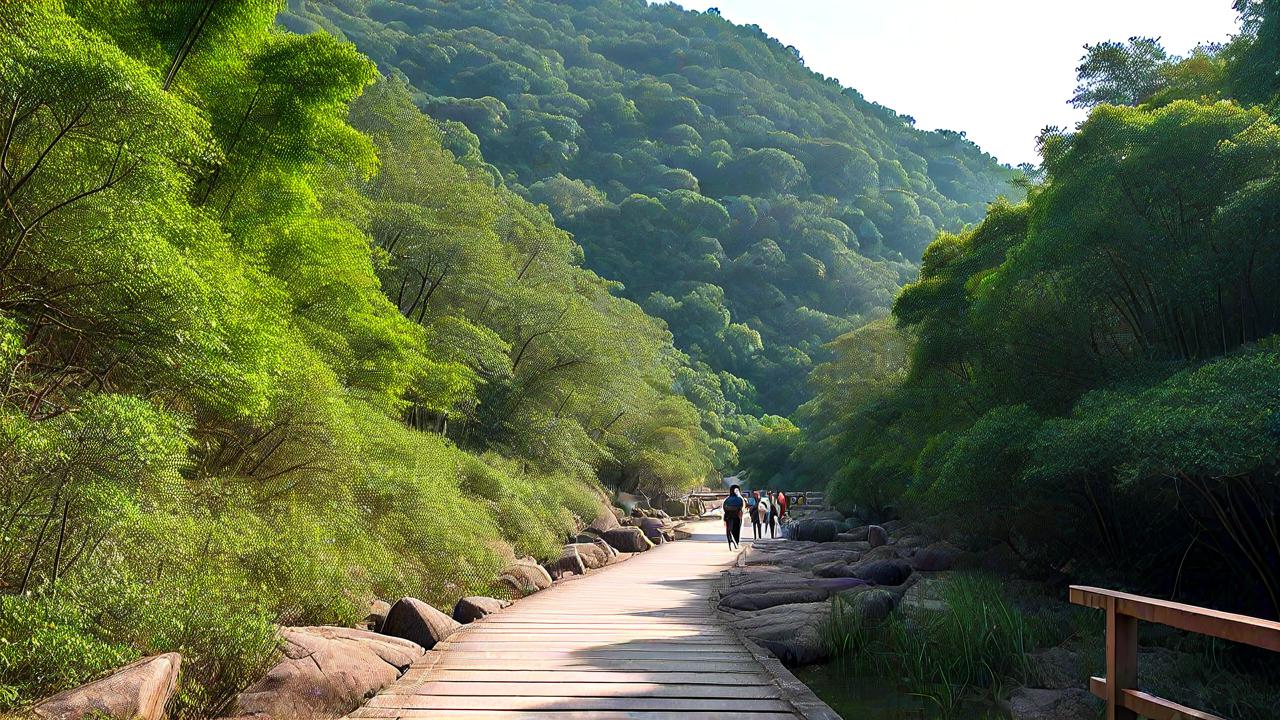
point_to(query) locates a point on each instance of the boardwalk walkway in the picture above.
(636, 641)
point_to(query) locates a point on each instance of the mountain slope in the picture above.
(758, 207)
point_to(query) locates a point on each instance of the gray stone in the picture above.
(1056, 668)
(569, 563)
(326, 672)
(883, 572)
(137, 691)
(857, 533)
(470, 609)
(811, 529)
(418, 622)
(627, 539)
(378, 610)
(877, 536)
(873, 604)
(605, 521)
(759, 599)
(1043, 704)
(936, 557)
(793, 633)
(525, 578)
(593, 556)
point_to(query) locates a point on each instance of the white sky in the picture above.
(1000, 70)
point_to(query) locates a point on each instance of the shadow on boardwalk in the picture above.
(638, 641)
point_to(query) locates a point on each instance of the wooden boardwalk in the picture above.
(636, 641)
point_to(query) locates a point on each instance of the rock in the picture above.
(470, 609)
(593, 556)
(629, 540)
(936, 557)
(1057, 668)
(873, 604)
(857, 533)
(793, 633)
(525, 578)
(884, 552)
(1042, 704)
(652, 528)
(759, 599)
(418, 622)
(569, 563)
(378, 610)
(605, 521)
(680, 533)
(811, 529)
(137, 691)
(877, 536)
(326, 673)
(883, 572)
(672, 507)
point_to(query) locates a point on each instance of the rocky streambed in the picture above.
(782, 594)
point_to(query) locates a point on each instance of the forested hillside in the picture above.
(1092, 377)
(270, 350)
(756, 206)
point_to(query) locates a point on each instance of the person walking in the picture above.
(783, 502)
(753, 507)
(732, 507)
(773, 515)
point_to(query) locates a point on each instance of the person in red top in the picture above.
(782, 505)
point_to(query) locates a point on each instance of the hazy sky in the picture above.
(1000, 70)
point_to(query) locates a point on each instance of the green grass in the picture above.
(976, 647)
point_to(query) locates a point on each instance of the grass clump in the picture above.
(973, 645)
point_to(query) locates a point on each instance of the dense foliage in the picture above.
(270, 349)
(759, 208)
(1092, 376)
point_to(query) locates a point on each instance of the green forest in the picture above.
(1091, 377)
(757, 207)
(308, 303)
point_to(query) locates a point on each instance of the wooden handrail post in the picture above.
(1122, 661)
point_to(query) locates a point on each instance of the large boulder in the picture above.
(883, 572)
(873, 604)
(793, 633)
(418, 622)
(593, 556)
(767, 597)
(811, 529)
(470, 609)
(569, 563)
(137, 691)
(857, 533)
(627, 539)
(525, 578)
(326, 672)
(1043, 704)
(936, 557)
(605, 521)
(877, 536)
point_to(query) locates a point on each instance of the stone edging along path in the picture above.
(637, 641)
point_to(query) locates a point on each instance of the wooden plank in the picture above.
(511, 687)
(639, 641)
(1150, 706)
(1122, 661)
(563, 715)
(572, 663)
(550, 703)
(735, 678)
(1253, 631)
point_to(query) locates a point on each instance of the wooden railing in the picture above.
(1119, 689)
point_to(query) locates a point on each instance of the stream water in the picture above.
(875, 699)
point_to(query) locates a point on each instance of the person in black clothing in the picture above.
(753, 507)
(732, 506)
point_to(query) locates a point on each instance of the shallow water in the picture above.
(859, 698)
